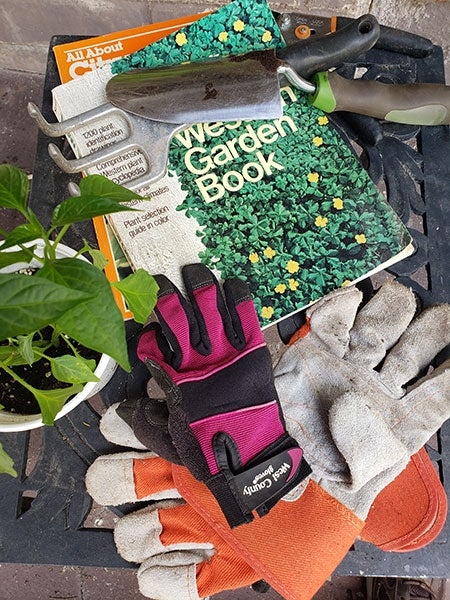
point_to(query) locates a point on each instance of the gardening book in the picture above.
(284, 203)
(74, 59)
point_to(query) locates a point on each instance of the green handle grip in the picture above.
(411, 103)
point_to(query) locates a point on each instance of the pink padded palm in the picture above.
(252, 429)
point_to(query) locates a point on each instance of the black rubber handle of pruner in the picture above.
(396, 40)
(321, 53)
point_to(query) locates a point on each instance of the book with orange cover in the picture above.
(74, 59)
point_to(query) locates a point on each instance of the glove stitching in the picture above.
(344, 512)
(170, 388)
(192, 585)
(242, 298)
(149, 419)
(167, 292)
(202, 284)
(424, 400)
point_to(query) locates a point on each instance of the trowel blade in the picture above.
(232, 89)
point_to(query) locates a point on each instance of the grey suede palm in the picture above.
(343, 394)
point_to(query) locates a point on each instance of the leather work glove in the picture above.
(342, 388)
(208, 355)
(342, 384)
(179, 555)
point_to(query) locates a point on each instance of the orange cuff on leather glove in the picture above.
(411, 511)
(295, 547)
(400, 521)
(318, 525)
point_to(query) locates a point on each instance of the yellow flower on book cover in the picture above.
(321, 221)
(293, 266)
(280, 288)
(267, 312)
(269, 252)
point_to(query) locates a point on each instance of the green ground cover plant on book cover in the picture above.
(285, 205)
(238, 27)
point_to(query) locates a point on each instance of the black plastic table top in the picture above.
(42, 513)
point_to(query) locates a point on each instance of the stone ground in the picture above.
(26, 27)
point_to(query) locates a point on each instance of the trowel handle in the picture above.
(411, 103)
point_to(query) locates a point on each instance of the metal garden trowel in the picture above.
(158, 103)
(248, 87)
(152, 137)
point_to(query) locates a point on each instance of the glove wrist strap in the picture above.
(266, 479)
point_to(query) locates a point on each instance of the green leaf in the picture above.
(10, 356)
(73, 369)
(21, 234)
(95, 322)
(18, 256)
(140, 292)
(26, 347)
(100, 186)
(30, 303)
(98, 258)
(14, 188)
(6, 463)
(52, 401)
(98, 196)
(82, 208)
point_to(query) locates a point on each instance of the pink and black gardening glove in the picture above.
(221, 409)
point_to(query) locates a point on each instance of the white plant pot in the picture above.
(10, 421)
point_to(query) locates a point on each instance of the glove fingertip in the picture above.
(236, 290)
(332, 318)
(170, 576)
(153, 343)
(109, 480)
(197, 275)
(117, 431)
(165, 285)
(245, 326)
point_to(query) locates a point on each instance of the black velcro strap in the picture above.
(261, 485)
(234, 512)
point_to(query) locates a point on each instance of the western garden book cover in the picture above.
(284, 203)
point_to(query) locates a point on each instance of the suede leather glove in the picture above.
(343, 388)
(208, 355)
(179, 555)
